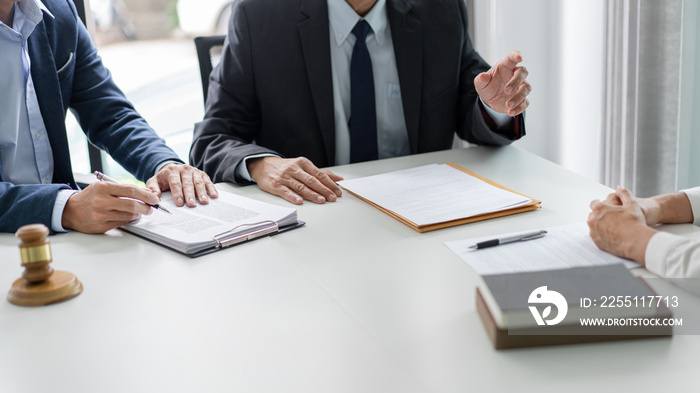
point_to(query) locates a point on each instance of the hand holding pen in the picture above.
(103, 205)
(102, 177)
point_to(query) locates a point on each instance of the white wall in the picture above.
(562, 42)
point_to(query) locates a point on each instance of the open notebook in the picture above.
(227, 220)
(438, 196)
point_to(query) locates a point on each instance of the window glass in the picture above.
(148, 47)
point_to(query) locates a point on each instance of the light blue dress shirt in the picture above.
(23, 137)
(392, 136)
(26, 153)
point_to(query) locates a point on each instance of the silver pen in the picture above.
(102, 177)
(509, 239)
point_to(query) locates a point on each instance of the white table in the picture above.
(353, 302)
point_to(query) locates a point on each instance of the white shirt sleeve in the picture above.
(242, 167)
(673, 256)
(676, 256)
(58, 207)
(501, 119)
(694, 198)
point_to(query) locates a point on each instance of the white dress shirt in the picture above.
(676, 256)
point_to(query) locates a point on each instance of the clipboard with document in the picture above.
(226, 221)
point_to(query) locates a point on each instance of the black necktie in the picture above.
(363, 116)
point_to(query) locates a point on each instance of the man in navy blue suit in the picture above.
(48, 65)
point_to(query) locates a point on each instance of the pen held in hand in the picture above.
(509, 239)
(102, 177)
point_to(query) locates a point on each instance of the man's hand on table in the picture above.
(294, 179)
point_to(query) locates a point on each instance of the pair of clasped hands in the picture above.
(503, 88)
(102, 206)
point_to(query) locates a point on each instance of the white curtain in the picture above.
(616, 84)
(642, 87)
(562, 45)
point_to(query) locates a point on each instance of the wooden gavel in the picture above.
(40, 284)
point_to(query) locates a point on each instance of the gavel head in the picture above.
(35, 252)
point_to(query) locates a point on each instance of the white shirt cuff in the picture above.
(58, 207)
(659, 249)
(694, 198)
(501, 119)
(242, 167)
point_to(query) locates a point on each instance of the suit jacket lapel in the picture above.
(408, 49)
(48, 93)
(314, 33)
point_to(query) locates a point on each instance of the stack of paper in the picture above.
(437, 196)
(226, 220)
(565, 246)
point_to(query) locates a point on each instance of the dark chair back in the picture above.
(209, 50)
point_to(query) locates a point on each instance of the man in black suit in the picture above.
(294, 71)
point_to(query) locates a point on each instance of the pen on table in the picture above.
(102, 177)
(509, 239)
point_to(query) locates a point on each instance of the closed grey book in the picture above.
(566, 296)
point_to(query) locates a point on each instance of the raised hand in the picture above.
(504, 88)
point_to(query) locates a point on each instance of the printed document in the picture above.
(190, 230)
(563, 247)
(433, 194)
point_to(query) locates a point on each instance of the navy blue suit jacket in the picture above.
(85, 86)
(273, 91)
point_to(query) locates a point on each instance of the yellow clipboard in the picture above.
(533, 205)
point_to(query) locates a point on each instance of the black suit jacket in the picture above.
(272, 91)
